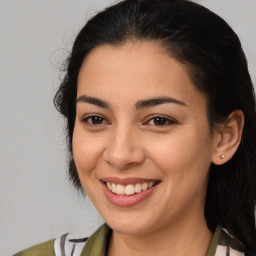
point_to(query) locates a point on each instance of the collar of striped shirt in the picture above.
(222, 244)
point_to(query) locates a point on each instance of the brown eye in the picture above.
(94, 120)
(159, 121)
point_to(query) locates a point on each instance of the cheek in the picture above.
(184, 163)
(183, 157)
(86, 151)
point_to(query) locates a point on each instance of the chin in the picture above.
(129, 228)
(130, 224)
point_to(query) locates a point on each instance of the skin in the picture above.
(128, 142)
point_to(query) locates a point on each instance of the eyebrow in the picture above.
(139, 105)
(157, 101)
(92, 100)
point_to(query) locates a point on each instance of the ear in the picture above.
(228, 137)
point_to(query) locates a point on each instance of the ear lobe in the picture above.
(228, 137)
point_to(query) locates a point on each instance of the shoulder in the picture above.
(230, 245)
(63, 245)
(68, 245)
(43, 249)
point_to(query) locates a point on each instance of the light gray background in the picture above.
(36, 200)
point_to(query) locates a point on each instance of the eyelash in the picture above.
(86, 120)
(165, 121)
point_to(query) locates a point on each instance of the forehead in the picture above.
(138, 70)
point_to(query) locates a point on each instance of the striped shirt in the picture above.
(222, 244)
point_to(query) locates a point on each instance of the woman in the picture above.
(161, 117)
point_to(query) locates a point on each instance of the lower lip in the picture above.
(127, 201)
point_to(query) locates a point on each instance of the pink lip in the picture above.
(127, 201)
(127, 181)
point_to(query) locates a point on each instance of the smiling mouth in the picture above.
(130, 189)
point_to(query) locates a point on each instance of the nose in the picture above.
(124, 150)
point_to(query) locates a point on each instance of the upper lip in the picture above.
(127, 181)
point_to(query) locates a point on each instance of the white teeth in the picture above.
(138, 188)
(144, 186)
(120, 189)
(129, 189)
(113, 188)
(109, 186)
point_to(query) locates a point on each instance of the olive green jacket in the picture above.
(222, 244)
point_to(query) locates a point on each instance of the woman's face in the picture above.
(141, 129)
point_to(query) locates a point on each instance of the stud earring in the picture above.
(222, 156)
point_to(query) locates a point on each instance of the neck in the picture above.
(179, 239)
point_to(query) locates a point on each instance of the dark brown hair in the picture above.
(205, 42)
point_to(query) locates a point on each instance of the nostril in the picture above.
(123, 159)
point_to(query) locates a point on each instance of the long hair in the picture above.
(217, 66)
